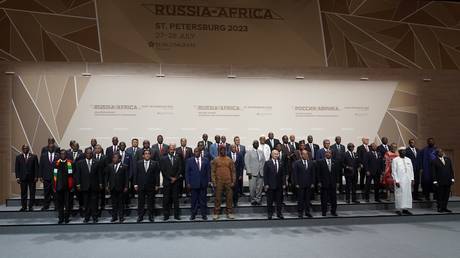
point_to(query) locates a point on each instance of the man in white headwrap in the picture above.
(403, 175)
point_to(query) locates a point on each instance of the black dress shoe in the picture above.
(31, 208)
(165, 218)
(151, 219)
(378, 200)
(177, 218)
(440, 210)
(308, 215)
(300, 216)
(348, 201)
(334, 214)
(204, 217)
(323, 214)
(113, 220)
(22, 209)
(139, 219)
(407, 212)
(280, 216)
(192, 217)
(95, 220)
(399, 213)
(270, 217)
(367, 200)
(355, 201)
(45, 208)
(122, 220)
(60, 221)
(85, 220)
(447, 210)
(67, 221)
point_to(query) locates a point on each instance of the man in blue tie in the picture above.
(197, 178)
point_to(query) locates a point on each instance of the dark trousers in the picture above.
(90, 203)
(328, 195)
(443, 196)
(142, 197)
(274, 195)
(48, 193)
(27, 186)
(303, 199)
(362, 177)
(415, 192)
(236, 193)
(171, 196)
(375, 178)
(199, 201)
(350, 187)
(118, 204)
(340, 181)
(239, 183)
(102, 199)
(63, 199)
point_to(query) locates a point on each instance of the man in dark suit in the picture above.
(443, 178)
(63, 186)
(170, 166)
(89, 183)
(47, 160)
(412, 152)
(338, 154)
(362, 151)
(117, 184)
(146, 146)
(146, 184)
(322, 152)
(327, 177)
(238, 160)
(52, 142)
(271, 141)
(109, 151)
(311, 147)
(203, 152)
(26, 170)
(206, 144)
(373, 166)
(198, 177)
(126, 161)
(283, 157)
(240, 149)
(93, 144)
(350, 164)
(288, 155)
(223, 141)
(304, 181)
(184, 153)
(383, 148)
(274, 183)
(160, 149)
(133, 153)
(101, 162)
(293, 142)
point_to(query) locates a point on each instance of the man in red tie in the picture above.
(26, 170)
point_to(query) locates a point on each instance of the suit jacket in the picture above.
(382, 149)
(169, 170)
(89, 180)
(362, 153)
(350, 164)
(195, 177)
(101, 165)
(254, 163)
(374, 165)
(206, 144)
(117, 180)
(153, 155)
(272, 146)
(26, 169)
(134, 153)
(443, 174)
(46, 167)
(78, 157)
(301, 176)
(315, 148)
(45, 149)
(328, 179)
(147, 179)
(109, 152)
(156, 149)
(126, 160)
(214, 150)
(62, 182)
(338, 152)
(183, 158)
(239, 163)
(273, 179)
(416, 160)
(295, 145)
(322, 153)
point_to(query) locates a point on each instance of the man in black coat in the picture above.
(373, 165)
(101, 161)
(63, 186)
(146, 184)
(171, 168)
(184, 153)
(26, 170)
(274, 183)
(443, 178)
(303, 177)
(328, 169)
(109, 151)
(351, 165)
(47, 160)
(338, 154)
(238, 159)
(362, 151)
(89, 183)
(117, 184)
(415, 156)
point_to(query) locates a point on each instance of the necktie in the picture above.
(89, 165)
(146, 166)
(375, 154)
(114, 148)
(287, 147)
(415, 152)
(312, 150)
(50, 157)
(115, 167)
(367, 148)
(98, 156)
(329, 165)
(198, 163)
(161, 148)
(443, 161)
(276, 166)
(233, 157)
(305, 164)
(74, 155)
(238, 148)
(183, 152)
(171, 157)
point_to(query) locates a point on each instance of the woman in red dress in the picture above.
(387, 179)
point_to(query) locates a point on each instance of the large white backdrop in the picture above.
(145, 106)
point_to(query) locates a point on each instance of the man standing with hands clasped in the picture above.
(275, 182)
(403, 175)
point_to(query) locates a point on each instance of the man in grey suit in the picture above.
(254, 161)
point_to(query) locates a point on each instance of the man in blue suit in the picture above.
(238, 159)
(197, 178)
(214, 149)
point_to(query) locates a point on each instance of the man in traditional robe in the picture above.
(403, 175)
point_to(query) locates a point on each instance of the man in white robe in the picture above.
(403, 175)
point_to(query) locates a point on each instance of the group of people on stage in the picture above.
(274, 166)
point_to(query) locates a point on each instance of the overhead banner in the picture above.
(145, 106)
(265, 32)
